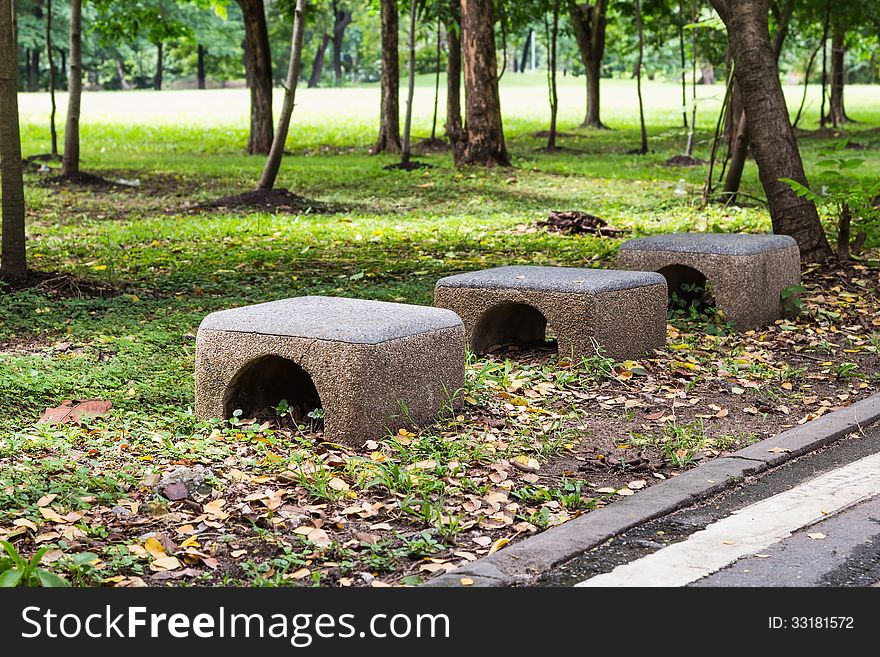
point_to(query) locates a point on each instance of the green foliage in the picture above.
(17, 571)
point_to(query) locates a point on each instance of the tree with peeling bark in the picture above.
(258, 62)
(739, 139)
(588, 23)
(273, 162)
(776, 150)
(13, 259)
(484, 132)
(389, 115)
(70, 161)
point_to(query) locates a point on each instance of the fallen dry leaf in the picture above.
(74, 412)
(164, 564)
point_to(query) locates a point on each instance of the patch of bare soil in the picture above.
(83, 179)
(544, 134)
(59, 285)
(412, 165)
(266, 200)
(430, 146)
(684, 161)
(576, 222)
(820, 133)
(559, 149)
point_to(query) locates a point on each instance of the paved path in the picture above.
(813, 523)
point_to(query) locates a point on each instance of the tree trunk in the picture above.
(200, 66)
(120, 75)
(525, 52)
(485, 133)
(13, 258)
(437, 79)
(739, 150)
(782, 14)
(342, 20)
(389, 118)
(318, 62)
(836, 110)
(53, 81)
(160, 56)
(738, 138)
(33, 70)
(692, 132)
(588, 23)
(259, 66)
(823, 119)
(809, 69)
(273, 162)
(70, 161)
(411, 86)
(684, 102)
(454, 129)
(775, 147)
(551, 75)
(643, 148)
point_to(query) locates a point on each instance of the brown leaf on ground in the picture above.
(74, 412)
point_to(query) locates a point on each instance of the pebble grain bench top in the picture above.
(711, 243)
(552, 279)
(352, 321)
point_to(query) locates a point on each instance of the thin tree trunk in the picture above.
(485, 132)
(689, 150)
(782, 14)
(643, 148)
(838, 115)
(738, 154)
(259, 67)
(773, 140)
(160, 56)
(52, 79)
(551, 76)
(588, 23)
(716, 139)
(120, 75)
(70, 161)
(389, 115)
(33, 69)
(318, 62)
(822, 118)
(454, 130)
(276, 153)
(411, 87)
(436, 81)
(684, 113)
(809, 69)
(13, 257)
(200, 66)
(342, 19)
(525, 52)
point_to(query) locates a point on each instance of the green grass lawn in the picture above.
(398, 234)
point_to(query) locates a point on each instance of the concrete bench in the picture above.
(746, 273)
(371, 366)
(624, 312)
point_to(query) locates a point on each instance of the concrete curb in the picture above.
(523, 562)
